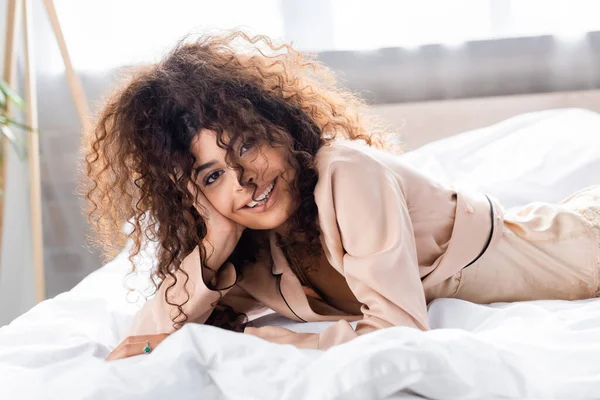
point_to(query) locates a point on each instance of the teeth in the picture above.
(262, 198)
(266, 192)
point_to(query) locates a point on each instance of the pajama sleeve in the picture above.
(156, 316)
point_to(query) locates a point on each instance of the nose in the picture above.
(239, 187)
(248, 177)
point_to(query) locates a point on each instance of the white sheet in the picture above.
(544, 349)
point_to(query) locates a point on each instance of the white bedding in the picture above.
(545, 349)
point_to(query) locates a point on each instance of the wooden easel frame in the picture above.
(16, 10)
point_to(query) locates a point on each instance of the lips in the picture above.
(264, 196)
(259, 191)
(264, 205)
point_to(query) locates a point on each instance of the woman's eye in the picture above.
(212, 177)
(245, 147)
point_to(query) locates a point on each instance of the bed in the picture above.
(541, 349)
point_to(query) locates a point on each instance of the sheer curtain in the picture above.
(361, 25)
(109, 33)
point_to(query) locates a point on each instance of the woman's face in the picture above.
(263, 165)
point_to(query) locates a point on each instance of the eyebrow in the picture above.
(204, 166)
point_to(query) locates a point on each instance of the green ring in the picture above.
(147, 349)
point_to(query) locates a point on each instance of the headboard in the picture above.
(423, 122)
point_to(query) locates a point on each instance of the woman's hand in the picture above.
(222, 233)
(136, 345)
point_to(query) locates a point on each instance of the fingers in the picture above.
(124, 351)
(134, 346)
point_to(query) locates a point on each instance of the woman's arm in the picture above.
(191, 294)
(204, 288)
(195, 287)
(154, 322)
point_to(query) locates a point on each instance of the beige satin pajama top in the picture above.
(400, 239)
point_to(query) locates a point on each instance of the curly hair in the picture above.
(138, 161)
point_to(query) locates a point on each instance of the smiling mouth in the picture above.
(263, 198)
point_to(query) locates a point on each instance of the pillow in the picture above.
(541, 156)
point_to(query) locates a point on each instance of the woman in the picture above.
(266, 188)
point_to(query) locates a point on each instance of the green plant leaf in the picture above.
(11, 95)
(7, 121)
(14, 141)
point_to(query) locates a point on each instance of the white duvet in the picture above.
(544, 349)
